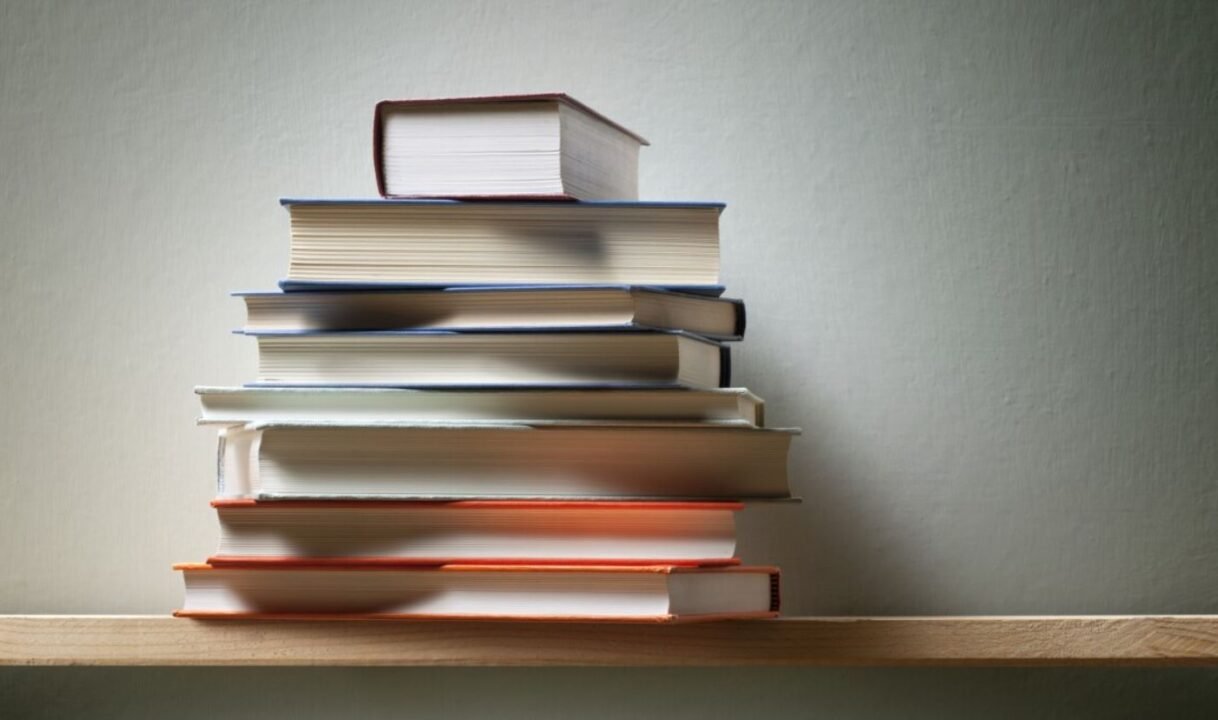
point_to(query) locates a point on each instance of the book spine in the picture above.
(754, 409)
(378, 147)
(236, 455)
(220, 482)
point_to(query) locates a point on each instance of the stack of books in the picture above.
(499, 391)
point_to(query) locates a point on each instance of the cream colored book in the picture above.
(430, 533)
(507, 359)
(392, 461)
(546, 145)
(438, 243)
(239, 406)
(650, 593)
(517, 308)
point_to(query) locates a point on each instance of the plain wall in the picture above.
(976, 239)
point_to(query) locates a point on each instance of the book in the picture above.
(309, 461)
(530, 359)
(238, 406)
(518, 308)
(655, 593)
(546, 145)
(438, 243)
(483, 532)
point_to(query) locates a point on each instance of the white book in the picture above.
(393, 462)
(430, 533)
(440, 243)
(239, 406)
(508, 359)
(517, 308)
(525, 146)
(506, 592)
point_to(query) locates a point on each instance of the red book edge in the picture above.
(235, 503)
(377, 140)
(371, 562)
(313, 617)
(659, 568)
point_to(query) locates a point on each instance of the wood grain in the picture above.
(842, 641)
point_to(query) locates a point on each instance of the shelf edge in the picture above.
(1131, 640)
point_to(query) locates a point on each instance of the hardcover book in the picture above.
(516, 308)
(238, 406)
(438, 243)
(474, 531)
(505, 359)
(654, 593)
(546, 145)
(337, 461)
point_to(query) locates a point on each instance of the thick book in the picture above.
(515, 308)
(506, 359)
(438, 243)
(310, 461)
(477, 531)
(646, 593)
(238, 406)
(546, 145)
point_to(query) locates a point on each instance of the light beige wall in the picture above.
(977, 241)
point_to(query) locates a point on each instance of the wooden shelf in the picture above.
(859, 641)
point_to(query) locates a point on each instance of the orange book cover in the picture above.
(442, 504)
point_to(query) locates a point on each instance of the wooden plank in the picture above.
(841, 641)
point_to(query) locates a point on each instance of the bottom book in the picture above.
(659, 593)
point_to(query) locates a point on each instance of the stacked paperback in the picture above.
(500, 391)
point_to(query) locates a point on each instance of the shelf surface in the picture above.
(1160, 640)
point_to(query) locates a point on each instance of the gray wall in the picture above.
(977, 241)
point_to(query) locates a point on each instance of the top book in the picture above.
(541, 146)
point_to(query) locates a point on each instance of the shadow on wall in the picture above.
(839, 550)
